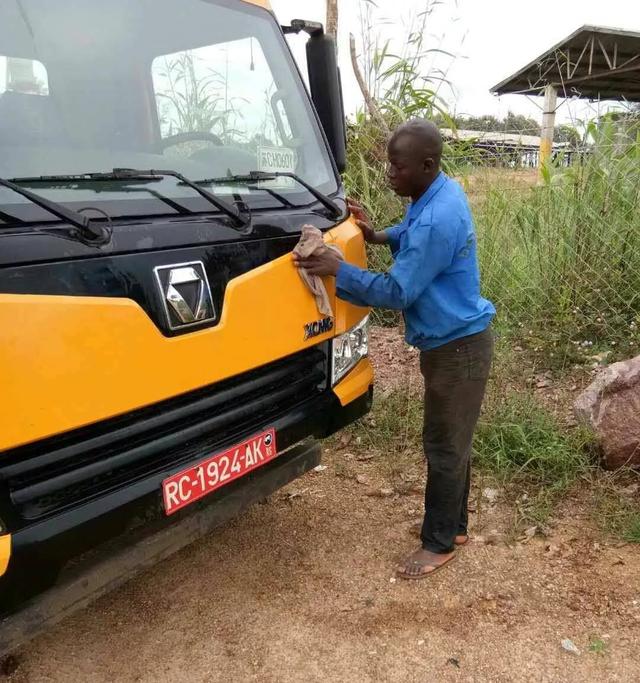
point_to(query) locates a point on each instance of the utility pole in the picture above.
(548, 123)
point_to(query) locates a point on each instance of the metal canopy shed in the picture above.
(594, 62)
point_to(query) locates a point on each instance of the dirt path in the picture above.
(302, 589)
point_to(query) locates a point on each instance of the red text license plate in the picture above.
(196, 482)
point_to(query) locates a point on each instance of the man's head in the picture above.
(414, 153)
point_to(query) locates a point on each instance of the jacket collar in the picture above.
(415, 208)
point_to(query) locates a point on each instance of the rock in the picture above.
(494, 537)
(320, 468)
(528, 534)
(491, 495)
(570, 646)
(380, 493)
(611, 407)
(362, 479)
(346, 438)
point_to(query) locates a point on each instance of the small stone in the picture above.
(421, 642)
(551, 549)
(362, 479)
(570, 646)
(491, 495)
(392, 579)
(320, 468)
(380, 493)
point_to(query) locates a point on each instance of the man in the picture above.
(435, 282)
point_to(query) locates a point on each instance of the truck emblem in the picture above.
(317, 328)
(185, 293)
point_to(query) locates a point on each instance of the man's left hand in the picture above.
(325, 263)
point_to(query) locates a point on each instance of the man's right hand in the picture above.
(362, 221)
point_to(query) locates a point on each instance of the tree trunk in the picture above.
(332, 19)
(370, 102)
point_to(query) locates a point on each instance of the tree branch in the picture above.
(371, 104)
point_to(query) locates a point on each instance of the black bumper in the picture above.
(40, 549)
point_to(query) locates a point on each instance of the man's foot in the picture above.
(423, 563)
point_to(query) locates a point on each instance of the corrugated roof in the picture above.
(594, 62)
(492, 137)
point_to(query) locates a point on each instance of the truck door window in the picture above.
(221, 100)
(224, 89)
(25, 106)
(25, 76)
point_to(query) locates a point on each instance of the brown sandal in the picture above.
(427, 569)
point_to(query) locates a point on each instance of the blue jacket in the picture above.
(434, 279)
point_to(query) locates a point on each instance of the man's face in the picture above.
(408, 170)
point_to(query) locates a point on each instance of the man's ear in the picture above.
(429, 164)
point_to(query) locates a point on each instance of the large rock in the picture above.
(611, 407)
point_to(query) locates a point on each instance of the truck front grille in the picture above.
(63, 471)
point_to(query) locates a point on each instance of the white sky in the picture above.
(490, 38)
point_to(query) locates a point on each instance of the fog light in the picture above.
(349, 349)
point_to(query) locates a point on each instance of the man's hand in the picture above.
(363, 222)
(324, 263)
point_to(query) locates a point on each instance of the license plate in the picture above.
(186, 487)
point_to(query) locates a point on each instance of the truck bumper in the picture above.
(33, 555)
(124, 557)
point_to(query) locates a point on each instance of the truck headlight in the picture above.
(349, 349)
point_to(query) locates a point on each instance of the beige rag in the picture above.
(311, 242)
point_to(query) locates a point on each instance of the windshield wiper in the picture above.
(256, 176)
(99, 179)
(220, 204)
(87, 229)
(142, 176)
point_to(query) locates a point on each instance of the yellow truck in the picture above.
(162, 363)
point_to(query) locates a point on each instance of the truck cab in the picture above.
(159, 353)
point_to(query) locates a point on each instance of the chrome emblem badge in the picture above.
(185, 293)
(317, 328)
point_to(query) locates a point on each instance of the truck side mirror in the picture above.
(326, 93)
(325, 86)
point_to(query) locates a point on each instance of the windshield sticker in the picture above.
(278, 159)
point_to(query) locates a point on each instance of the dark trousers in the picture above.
(455, 377)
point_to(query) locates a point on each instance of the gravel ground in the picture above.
(302, 588)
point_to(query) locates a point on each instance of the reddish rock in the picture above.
(611, 407)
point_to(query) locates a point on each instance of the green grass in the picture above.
(523, 446)
(615, 512)
(518, 443)
(518, 438)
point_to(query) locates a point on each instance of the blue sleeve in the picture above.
(426, 253)
(393, 238)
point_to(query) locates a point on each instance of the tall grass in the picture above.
(563, 257)
(559, 257)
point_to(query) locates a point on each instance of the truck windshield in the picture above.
(205, 87)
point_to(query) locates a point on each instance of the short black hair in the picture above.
(424, 132)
